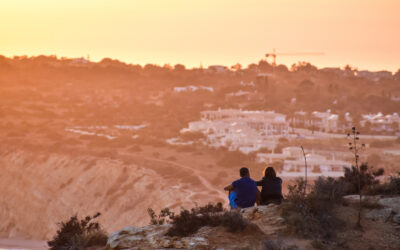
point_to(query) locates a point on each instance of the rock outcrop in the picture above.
(387, 208)
(266, 223)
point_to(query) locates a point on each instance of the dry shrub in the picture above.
(188, 222)
(78, 234)
(312, 215)
(367, 176)
(392, 187)
(161, 218)
(329, 189)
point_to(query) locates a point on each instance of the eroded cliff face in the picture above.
(40, 189)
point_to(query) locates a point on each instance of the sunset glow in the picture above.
(361, 33)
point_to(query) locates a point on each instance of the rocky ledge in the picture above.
(266, 218)
(378, 207)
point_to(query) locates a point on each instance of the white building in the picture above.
(381, 123)
(217, 69)
(241, 130)
(192, 89)
(317, 165)
(322, 121)
(375, 76)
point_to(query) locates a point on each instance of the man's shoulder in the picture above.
(243, 180)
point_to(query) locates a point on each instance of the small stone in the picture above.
(396, 219)
(393, 203)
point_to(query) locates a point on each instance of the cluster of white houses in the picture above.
(252, 130)
(294, 164)
(241, 130)
(379, 122)
(249, 131)
(329, 122)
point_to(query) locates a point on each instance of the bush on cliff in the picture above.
(188, 222)
(367, 177)
(78, 234)
(312, 215)
(392, 187)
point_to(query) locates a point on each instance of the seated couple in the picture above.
(244, 192)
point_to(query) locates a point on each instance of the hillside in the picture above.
(92, 137)
(269, 230)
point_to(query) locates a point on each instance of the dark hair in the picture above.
(244, 172)
(270, 172)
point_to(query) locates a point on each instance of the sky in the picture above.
(363, 33)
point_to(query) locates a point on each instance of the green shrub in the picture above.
(78, 234)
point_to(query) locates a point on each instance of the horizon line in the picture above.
(201, 65)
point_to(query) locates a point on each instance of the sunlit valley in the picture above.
(84, 137)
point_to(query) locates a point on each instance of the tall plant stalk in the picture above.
(305, 173)
(353, 146)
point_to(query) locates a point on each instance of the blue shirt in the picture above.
(246, 191)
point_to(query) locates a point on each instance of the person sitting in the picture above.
(271, 191)
(242, 192)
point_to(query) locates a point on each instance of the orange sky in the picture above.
(364, 33)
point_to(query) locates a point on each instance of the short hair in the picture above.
(244, 172)
(270, 172)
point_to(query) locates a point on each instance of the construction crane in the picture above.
(274, 54)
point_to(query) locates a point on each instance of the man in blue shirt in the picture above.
(243, 192)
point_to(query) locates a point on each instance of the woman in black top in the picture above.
(271, 191)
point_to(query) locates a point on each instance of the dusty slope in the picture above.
(40, 189)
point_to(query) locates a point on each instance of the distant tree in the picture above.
(281, 68)
(397, 75)
(305, 86)
(350, 70)
(168, 66)
(179, 67)
(252, 67)
(303, 67)
(264, 66)
(237, 66)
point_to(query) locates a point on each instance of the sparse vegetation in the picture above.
(392, 187)
(76, 234)
(188, 222)
(312, 215)
(366, 175)
(161, 218)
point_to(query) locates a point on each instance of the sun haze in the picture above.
(361, 33)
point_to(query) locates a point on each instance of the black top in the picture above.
(271, 189)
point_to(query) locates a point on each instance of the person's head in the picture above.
(270, 172)
(244, 172)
